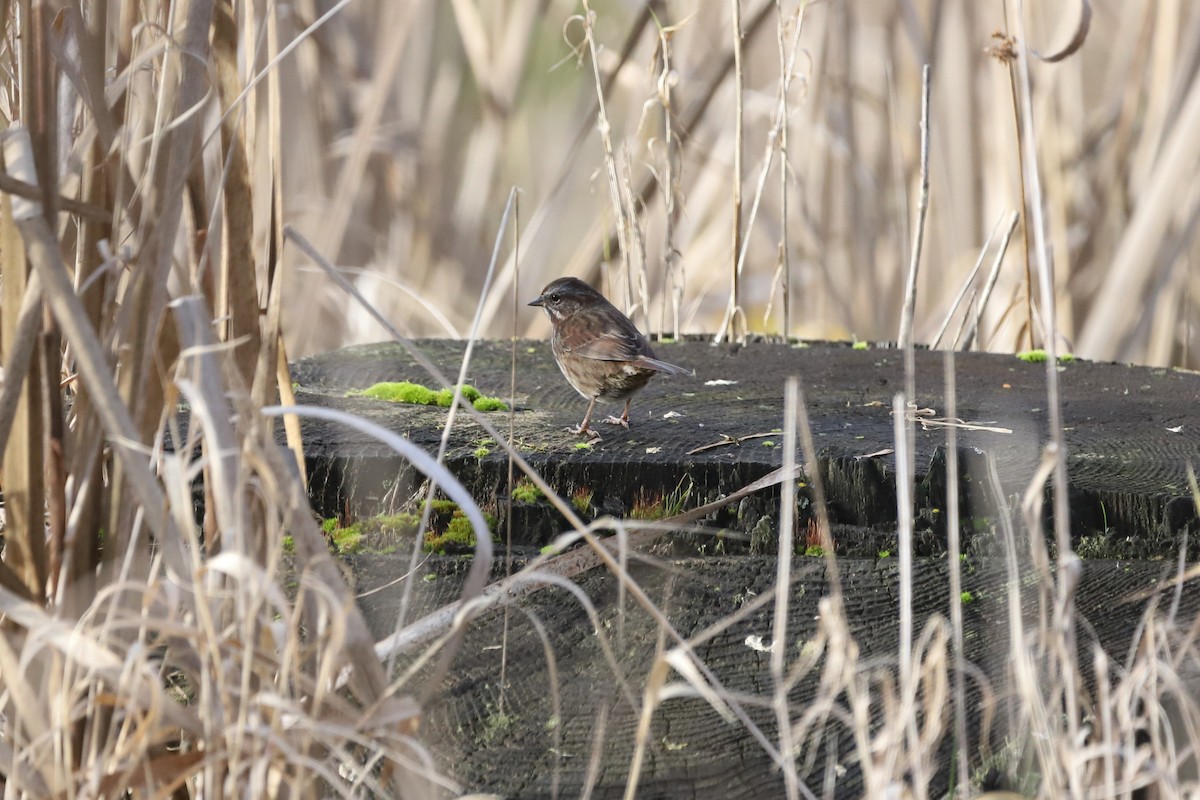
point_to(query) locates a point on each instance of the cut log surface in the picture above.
(1130, 432)
(545, 697)
(563, 697)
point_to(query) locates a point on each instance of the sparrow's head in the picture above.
(565, 297)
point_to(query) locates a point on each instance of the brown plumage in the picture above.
(600, 352)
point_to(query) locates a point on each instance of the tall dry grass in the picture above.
(140, 236)
(418, 120)
(153, 152)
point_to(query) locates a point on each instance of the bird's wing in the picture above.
(608, 347)
(625, 347)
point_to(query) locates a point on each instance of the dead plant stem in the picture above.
(910, 290)
(1067, 561)
(954, 546)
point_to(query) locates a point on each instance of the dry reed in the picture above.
(153, 154)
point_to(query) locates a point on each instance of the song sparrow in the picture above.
(600, 352)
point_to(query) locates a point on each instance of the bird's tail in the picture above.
(662, 366)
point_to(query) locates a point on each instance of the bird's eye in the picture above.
(554, 298)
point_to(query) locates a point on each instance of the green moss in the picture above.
(482, 452)
(374, 534)
(348, 540)
(459, 531)
(861, 345)
(583, 445)
(490, 404)
(459, 536)
(415, 393)
(449, 531)
(966, 597)
(526, 492)
(768, 443)
(885, 554)
(1093, 547)
(459, 527)
(814, 550)
(1040, 356)
(445, 397)
(396, 523)
(289, 544)
(430, 577)
(439, 506)
(496, 725)
(400, 392)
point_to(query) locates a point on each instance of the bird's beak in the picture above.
(537, 302)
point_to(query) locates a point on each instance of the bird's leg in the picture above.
(622, 420)
(583, 426)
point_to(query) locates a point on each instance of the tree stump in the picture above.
(573, 684)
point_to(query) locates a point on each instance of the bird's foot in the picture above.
(585, 430)
(622, 421)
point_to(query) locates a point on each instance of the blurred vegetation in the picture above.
(709, 174)
(416, 123)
